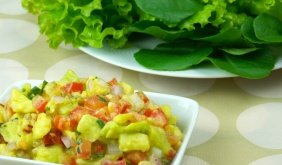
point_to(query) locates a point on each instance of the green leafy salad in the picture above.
(242, 37)
(87, 121)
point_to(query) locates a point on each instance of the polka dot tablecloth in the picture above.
(240, 120)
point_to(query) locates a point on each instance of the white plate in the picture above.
(186, 110)
(124, 58)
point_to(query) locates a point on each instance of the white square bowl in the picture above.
(185, 109)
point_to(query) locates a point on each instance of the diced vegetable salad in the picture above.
(87, 121)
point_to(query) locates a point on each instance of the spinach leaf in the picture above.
(268, 28)
(248, 32)
(231, 36)
(159, 30)
(172, 56)
(254, 65)
(170, 11)
(239, 51)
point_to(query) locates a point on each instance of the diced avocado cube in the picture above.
(127, 89)
(41, 126)
(69, 76)
(167, 111)
(158, 139)
(10, 130)
(89, 128)
(20, 103)
(134, 142)
(52, 154)
(25, 142)
(141, 127)
(97, 86)
(124, 119)
(4, 150)
(111, 130)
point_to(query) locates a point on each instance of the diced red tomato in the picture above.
(73, 87)
(76, 115)
(158, 116)
(70, 161)
(102, 114)
(123, 107)
(134, 157)
(171, 154)
(53, 137)
(143, 96)
(98, 147)
(95, 102)
(39, 103)
(113, 82)
(113, 162)
(83, 149)
(61, 122)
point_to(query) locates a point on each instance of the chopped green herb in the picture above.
(102, 99)
(78, 150)
(101, 123)
(78, 141)
(97, 156)
(34, 91)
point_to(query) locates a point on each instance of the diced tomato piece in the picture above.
(113, 82)
(98, 147)
(83, 149)
(70, 161)
(73, 87)
(158, 116)
(134, 157)
(95, 102)
(102, 114)
(123, 107)
(113, 162)
(143, 96)
(76, 115)
(53, 137)
(39, 103)
(171, 154)
(2, 139)
(61, 122)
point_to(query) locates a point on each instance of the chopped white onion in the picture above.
(117, 90)
(58, 99)
(113, 148)
(66, 141)
(155, 158)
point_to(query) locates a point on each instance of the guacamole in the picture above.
(87, 121)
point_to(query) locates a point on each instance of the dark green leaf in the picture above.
(229, 36)
(248, 32)
(172, 57)
(255, 65)
(268, 28)
(239, 51)
(159, 30)
(170, 11)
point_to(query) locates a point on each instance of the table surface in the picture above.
(239, 121)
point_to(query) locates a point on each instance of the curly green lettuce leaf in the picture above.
(170, 12)
(84, 22)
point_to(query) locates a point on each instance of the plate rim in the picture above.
(201, 73)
